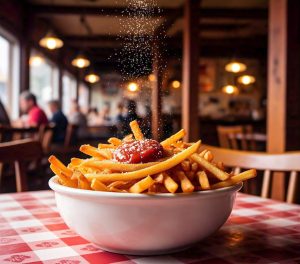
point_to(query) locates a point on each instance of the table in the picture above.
(258, 231)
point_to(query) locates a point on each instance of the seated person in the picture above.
(4, 119)
(76, 117)
(59, 119)
(35, 115)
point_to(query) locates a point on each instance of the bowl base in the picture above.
(145, 252)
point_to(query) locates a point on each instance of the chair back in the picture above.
(268, 163)
(19, 152)
(236, 137)
(71, 135)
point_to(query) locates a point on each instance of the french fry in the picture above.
(185, 183)
(114, 141)
(142, 185)
(76, 162)
(221, 175)
(91, 151)
(208, 156)
(169, 141)
(159, 178)
(57, 163)
(97, 185)
(106, 146)
(185, 165)
(62, 178)
(136, 130)
(170, 184)
(203, 180)
(128, 138)
(83, 183)
(106, 153)
(155, 169)
(246, 175)
(194, 166)
(116, 184)
(116, 166)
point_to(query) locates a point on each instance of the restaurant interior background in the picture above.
(219, 69)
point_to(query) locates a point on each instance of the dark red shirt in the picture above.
(37, 116)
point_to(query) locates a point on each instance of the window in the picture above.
(43, 79)
(69, 92)
(83, 99)
(9, 74)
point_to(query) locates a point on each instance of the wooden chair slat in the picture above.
(291, 191)
(265, 190)
(274, 165)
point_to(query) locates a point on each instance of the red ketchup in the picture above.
(139, 151)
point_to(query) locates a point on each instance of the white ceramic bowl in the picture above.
(141, 224)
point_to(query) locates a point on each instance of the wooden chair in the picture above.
(19, 152)
(239, 137)
(268, 163)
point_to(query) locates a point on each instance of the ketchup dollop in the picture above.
(139, 151)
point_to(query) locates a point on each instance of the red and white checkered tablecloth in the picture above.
(258, 231)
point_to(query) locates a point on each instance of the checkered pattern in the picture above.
(258, 231)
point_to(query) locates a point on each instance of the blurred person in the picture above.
(4, 118)
(59, 119)
(105, 114)
(76, 117)
(93, 118)
(130, 115)
(35, 115)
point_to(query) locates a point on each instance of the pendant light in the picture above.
(51, 41)
(230, 89)
(235, 67)
(246, 79)
(81, 61)
(92, 77)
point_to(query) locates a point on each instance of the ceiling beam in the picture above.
(237, 13)
(94, 10)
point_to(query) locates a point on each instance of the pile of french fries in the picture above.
(184, 169)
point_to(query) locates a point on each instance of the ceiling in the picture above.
(103, 26)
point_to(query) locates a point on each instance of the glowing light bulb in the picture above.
(152, 77)
(132, 87)
(80, 62)
(230, 89)
(92, 78)
(235, 67)
(246, 79)
(176, 84)
(36, 61)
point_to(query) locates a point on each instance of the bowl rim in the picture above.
(56, 187)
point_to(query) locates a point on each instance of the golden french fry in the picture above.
(185, 183)
(106, 146)
(169, 141)
(185, 165)
(194, 166)
(57, 163)
(114, 189)
(116, 184)
(116, 166)
(128, 138)
(208, 156)
(202, 153)
(136, 130)
(62, 178)
(83, 183)
(155, 169)
(203, 180)
(221, 166)
(159, 178)
(142, 185)
(170, 184)
(114, 141)
(106, 153)
(246, 175)
(91, 151)
(98, 186)
(221, 175)
(76, 161)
